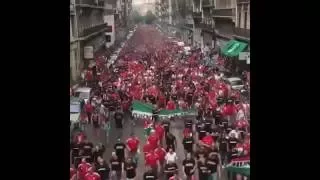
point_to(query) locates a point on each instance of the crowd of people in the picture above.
(153, 69)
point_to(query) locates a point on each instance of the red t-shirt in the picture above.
(147, 148)
(208, 140)
(151, 159)
(159, 130)
(162, 99)
(133, 143)
(153, 140)
(88, 107)
(72, 172)
(161, 152)
(171, 105)
(83, 169)
(92, 176)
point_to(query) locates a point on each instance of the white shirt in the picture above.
(235, 132)
(171, 157)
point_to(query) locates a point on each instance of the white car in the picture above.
(83, 93)
(75, 110)
(235, 82)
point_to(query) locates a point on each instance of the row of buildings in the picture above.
(212, 22)
(94, 26)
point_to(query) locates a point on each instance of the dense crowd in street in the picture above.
(153, 69)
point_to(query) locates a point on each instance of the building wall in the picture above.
(110, 20)
(243, 16)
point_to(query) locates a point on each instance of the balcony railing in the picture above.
(228, 12)
(243, 1)
(242, 32)
(90, 3)
(91, 30)
(207, 4)
(197, 14)
(72, 9)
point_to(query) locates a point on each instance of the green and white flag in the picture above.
(141, 109)
(239, 166)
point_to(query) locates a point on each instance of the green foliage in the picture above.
(137, 18)
(149, 17)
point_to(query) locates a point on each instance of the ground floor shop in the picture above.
(74, 62)
(233, 52)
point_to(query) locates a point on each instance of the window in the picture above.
(73, 26)
(108, 38)
(245, 19)
(109, 29)
(239, 17)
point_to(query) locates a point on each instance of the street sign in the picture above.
(244, 55)
(88, 52)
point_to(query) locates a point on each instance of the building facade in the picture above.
(93, 24)
(87, 33)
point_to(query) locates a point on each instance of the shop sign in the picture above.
(88, 52)
(244, 56)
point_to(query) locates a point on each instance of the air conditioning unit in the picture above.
(72, 8)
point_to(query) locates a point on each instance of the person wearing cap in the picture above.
(119, 148)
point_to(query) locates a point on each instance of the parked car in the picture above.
(83, 93)
(75, 110)
(235, 82)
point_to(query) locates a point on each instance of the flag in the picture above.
(141, 109)
(240, 166)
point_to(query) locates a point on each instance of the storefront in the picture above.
(231, 51)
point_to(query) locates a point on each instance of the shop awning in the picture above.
(233, 48)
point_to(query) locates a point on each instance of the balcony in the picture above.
(72, 9)
(243, 1)
(197, 14)
(207, 4)
(90, 4)
(242, 32)
(224, 13)
(92, 30)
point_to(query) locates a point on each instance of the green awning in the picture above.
(233, 48)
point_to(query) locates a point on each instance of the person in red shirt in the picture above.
(152, 160)
(207, 141)
(83, 168)
(132, 144)
(160, 132)
(73, 174)
(171, 105)
(147, 148)
(161, 152)
(153, 139)
(91, 175)
(88, 109)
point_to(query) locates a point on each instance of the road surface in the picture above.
(176, 129)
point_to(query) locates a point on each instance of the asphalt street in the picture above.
(176, 129)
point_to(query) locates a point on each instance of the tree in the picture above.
(137, 18)
(150, 17)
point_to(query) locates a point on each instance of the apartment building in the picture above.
(86, 33)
